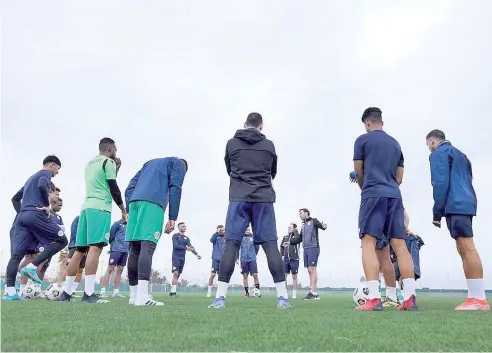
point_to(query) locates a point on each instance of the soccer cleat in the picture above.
(118, 295)
(408, 305)
(75, 295)
(472, 304)
(93, 299)
(10, 298)
(149, 302)
(103, 295)
(218, 303)
(30, 273)
(65, 297)
(389, 303)
(283, 303)
(371, 305)
(246, 295)
(172, 295)
(311, 296)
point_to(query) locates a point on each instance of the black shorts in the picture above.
(70, 254)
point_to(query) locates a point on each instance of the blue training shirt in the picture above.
(159, 181)
(117, 237)
(180, 242)
(36, 191)
(382, 155)
(218, 246)
(73, 233)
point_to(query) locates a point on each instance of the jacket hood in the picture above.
(250, 136)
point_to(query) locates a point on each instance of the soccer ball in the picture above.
(31, 292)
(53, 292)
(255, 292)
(361, 294)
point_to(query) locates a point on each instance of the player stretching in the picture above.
(157, 183)
(95, 219)
(455, 199)
(218, 247)
(35, 224)
(290, 253)
(247, 256)
(118, 254)
(378, 163)
(251, 163)
(181, 244)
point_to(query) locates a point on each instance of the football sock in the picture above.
(21, 287)
(11, 291)
(68, 285)
(221, 289)
(75, 286)
(476, 288)
(103, 290)
(210, 289)
(373, 287)
(173, 288)
(116, 291)
(246, 289)
(143, 290)
(89, 284)
(281, 290)
(133, 291)
(391, 293)
(315, 293)
(294, 292)
(410, 287)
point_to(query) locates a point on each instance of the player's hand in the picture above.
(437, 224)
(198, 257)
(124, 217)
(323, 224)
(118, 162)
(169, 227)
(286, 244)
(46, 209)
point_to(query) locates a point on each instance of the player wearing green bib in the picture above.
(95, 219)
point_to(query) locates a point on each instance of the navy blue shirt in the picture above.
(73, 233)
(180, 242)
(382, 155)
(36, 191)
(117, 237)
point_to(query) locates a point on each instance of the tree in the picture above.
(155, 276)
(185, 283)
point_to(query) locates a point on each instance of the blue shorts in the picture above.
(311, 257)
(383, 219)
(291, 266)
(215, 266)
(460, 225)
(118, 258)
(178, 264)
(249, 267)
(33, 228)
(261, 215)
(70, 254)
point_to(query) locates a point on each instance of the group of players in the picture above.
(251, 163)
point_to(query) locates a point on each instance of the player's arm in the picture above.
(73, 227)
(296, 238)
(227, 160)
(359, 161)
(17, 200)
(399, 170)
(213, 239)
(191, 248)
(176, 244)
(439, 165)
(109, 167)
(175, 180)
(112, 233)
(319, 225)
(44, 191)
(274, 164)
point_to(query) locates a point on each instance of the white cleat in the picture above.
(149, 302)
(103, 295)
(118, 295)
(131, 301)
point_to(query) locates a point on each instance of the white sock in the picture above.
(221, 289)
(133, 291)
(75, 286)
(476, 288)
(374, 292)
(116, 291)
(294, 292)
(281, 289)
(32, 266)
(11, 291)
(315, 293)
(391, 293)
(103, 290)
(173, 288)
(90, 280)
(142, 291)
(209, 289)
(22, 286)
(69, 283)
(410, 287)
(380, 276)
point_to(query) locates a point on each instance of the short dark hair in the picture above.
(57, 189)
(294, 225)
(53, 187)
(52, 159)
(185, 163)
(372, 114)
(254, 120)
(180, 223)
(60, 200)
(438, 134)
(305, 210)
(220, 226)
(105, 143)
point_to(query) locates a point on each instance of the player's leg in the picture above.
(107, 275)
(23, 279)
(213, 272)
(117, 277)
(253, 270)
(245, 282)
(461, 230)
(176, 274)
(133, 269)
(294, 268)
(386, 267)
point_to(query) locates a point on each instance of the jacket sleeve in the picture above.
(73, 228)
(281, 248)
(16, 200)
(439, 166)
(274, 163)
(112, 233)
(214, 238)
(227, 160)
(176, 179)
(296, 239)
(318, 224)
(176, 245)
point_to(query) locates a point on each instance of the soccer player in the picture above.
(181, 244)
(218, 241)
(95, 219)
(157, 183)
(71, 252)
(290, 253)
(35, 225)
(455, 199)
(310, 242)
(247, 256)
(118, 254)
(251, 163)
(378, 165)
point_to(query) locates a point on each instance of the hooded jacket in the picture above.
(251, 163)
(218, 242)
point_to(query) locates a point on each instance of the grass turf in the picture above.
(186, 324)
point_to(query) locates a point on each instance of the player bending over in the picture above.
(95, 219)
(247, 257)
(35, 224)
(181, 244)
(251, 163)
(218, 241)
(118, 254)
(157, 183)
(378, 165)
(455, 199)
(290, 254)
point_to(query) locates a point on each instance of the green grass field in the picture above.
(186, 324)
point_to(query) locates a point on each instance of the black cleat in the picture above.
(94, 299)
(65, 297)
(171, 294)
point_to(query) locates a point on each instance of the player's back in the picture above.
(32, 198)
(97, 192)
(382, 156)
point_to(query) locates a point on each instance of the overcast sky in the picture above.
(168, 79)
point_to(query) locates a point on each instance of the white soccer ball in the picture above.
(255, 292)
(53, 292)
(31, 292)
(361, 294)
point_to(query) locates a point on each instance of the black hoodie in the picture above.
(251, 163)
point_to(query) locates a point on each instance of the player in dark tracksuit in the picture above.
(218, 246)
(247, 257)
(290, 254)
(251, 163)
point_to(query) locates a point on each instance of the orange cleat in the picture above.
(371, 305)
(408, 305)
(472, 304)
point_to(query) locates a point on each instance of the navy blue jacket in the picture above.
(36, 191)
(251, 163)
(451, 176)
(159, 181)
(247, 249)
(117, 237)
(180, 242)
(73, 233)
(218, 246)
